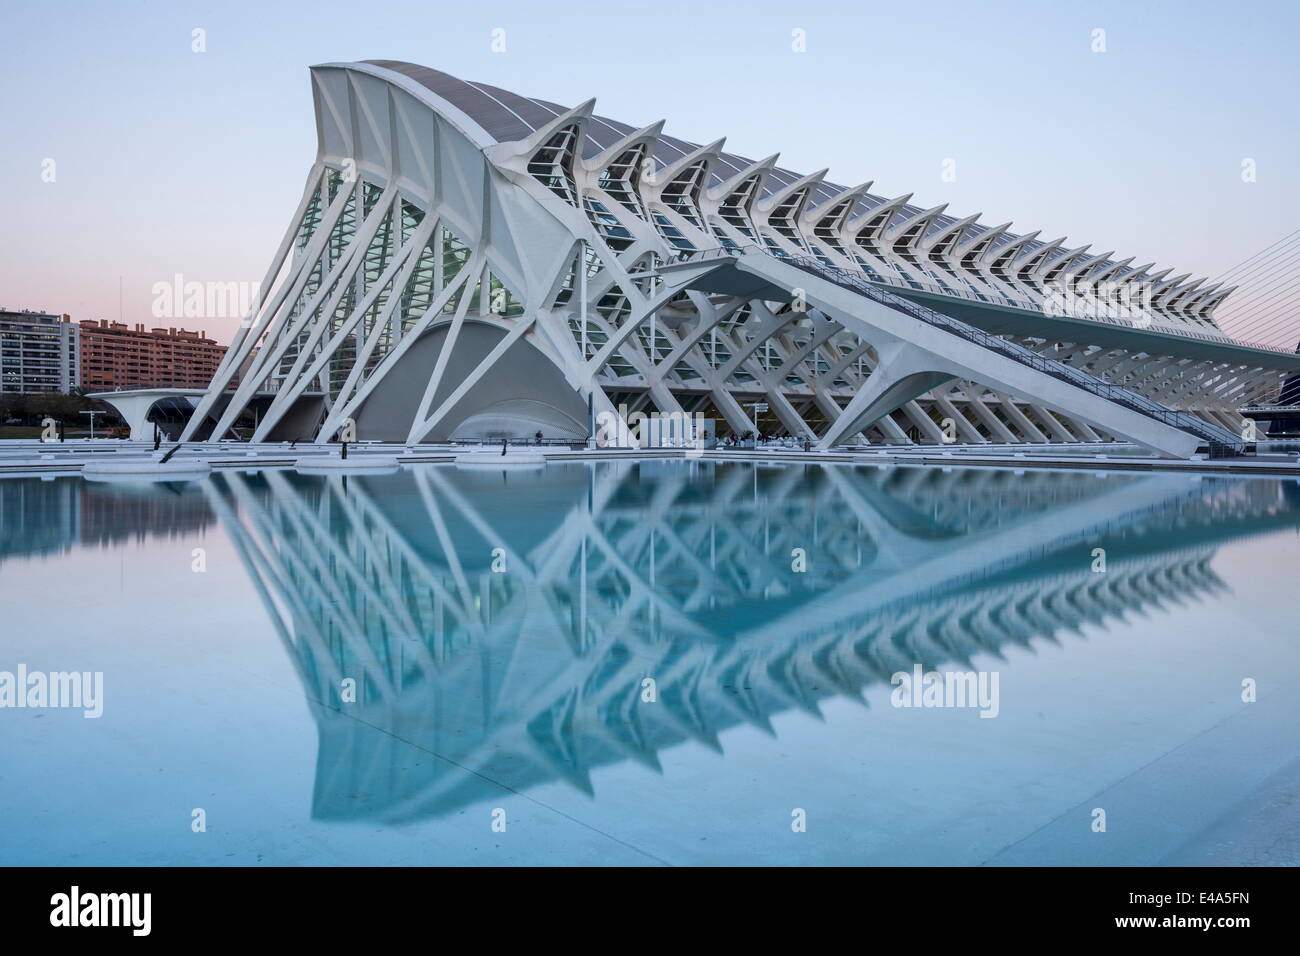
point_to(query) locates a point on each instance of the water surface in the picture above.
(500, 629)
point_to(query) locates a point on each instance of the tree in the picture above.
(11, 406)
(54, 405)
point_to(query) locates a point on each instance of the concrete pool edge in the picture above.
(68, 460)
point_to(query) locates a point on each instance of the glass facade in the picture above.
(38, 353)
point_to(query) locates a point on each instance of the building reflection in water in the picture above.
(50, 517)
(680, 572)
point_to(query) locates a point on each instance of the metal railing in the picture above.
(518, 442)
(996, 297)
(1040, 305)
(1185, 421)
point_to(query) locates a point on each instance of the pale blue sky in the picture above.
(171, 162)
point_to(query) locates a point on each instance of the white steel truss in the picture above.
(465, 259)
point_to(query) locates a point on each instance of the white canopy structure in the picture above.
(467, 262)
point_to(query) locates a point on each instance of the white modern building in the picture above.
(38, 352)
(468, 262)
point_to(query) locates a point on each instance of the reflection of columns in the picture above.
(535, 674)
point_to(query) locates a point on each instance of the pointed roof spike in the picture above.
(1082, 263)
(1112, 269)
(1042, 254)
(1168, 284)
(1202, 295)
(851, 194)
(708, 153)
(957, 240)
(1008, 250)
(1064, 264)
(897, 229)
(888, 207)
(648, 134)
(954, 229)
(1179, 294)
(1154, 279)
(991, 233)
(579, 115)
(1136, 272)
(803, 182)
(727, 186)
(1196, 303)
(1213, 302)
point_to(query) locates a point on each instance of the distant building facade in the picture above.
(115, 355)
(38, 352)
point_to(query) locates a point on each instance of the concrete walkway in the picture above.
(30, 457)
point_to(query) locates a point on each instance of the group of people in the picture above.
(759, 439)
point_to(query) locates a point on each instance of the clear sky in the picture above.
(169, 161)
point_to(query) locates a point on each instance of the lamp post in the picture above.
(92, 413)
(582, 319)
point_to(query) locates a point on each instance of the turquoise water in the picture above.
(659, 662)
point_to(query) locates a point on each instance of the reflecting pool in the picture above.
(655, 662)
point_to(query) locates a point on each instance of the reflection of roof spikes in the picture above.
(791, 684)
(968, 594)
(624, 728)
(558, 756)
(681, 701)
(1060, 525)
